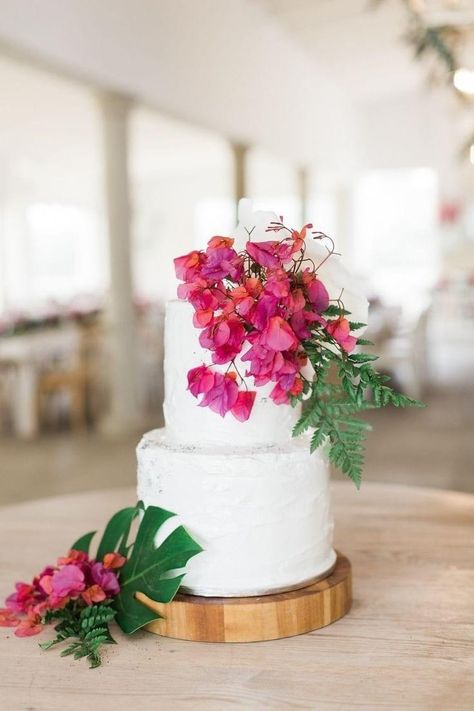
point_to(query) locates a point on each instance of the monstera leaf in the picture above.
(115, 534)
(149, 569)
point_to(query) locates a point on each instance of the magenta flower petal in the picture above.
(68, 581)
(278, 335)
(243, 405)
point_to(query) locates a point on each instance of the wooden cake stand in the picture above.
(254, 619)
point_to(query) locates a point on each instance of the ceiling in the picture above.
(359, 42)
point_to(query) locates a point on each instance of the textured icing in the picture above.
(187, 422)
(262, 514)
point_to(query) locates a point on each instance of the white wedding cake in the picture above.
(253, 497)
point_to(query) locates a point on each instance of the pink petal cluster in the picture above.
(259, 306)
(74, 577)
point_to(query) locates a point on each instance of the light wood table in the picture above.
(408, 642)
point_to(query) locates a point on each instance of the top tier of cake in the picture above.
(186, 422)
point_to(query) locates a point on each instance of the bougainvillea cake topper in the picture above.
(265, 313)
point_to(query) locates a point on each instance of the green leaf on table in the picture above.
(151, 570)
(116, 532)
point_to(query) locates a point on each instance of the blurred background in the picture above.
(128, 132)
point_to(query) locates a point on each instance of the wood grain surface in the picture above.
(256, 619)
(407, 642)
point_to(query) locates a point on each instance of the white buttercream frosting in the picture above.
(186, 422)
(261, 514)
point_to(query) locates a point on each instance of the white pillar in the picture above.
(240, 172)
(120, 313)
(303, 189)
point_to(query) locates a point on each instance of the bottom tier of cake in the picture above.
(262, 516)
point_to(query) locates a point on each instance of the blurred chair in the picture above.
(405, 356)
(70, 376)
(7, 387)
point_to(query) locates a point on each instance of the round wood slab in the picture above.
(254, 619)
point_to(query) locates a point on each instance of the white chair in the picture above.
(405, 356)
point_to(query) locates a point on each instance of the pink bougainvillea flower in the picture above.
(67, 581)
(295, 301)
(243, 405)
(232, 347)
(93, 594)
(278, 284)
(114, 560)
(224, 338)
(266, 307)
(46, 583)
(279, 395)
(188, 266)
(278, 335)
(286, 373)
(22, 599)
(216, 242)
(204, 299)
(243, 297)
(339, 329)
(215, 335)
(221, 262)
(106, 579)
(203, 318)
(301, 320)
(8, 618)
(200, 380)
(264, 364)
(222, 397)
(317, 292)
(264, 253)
(29, 626)
(72, 557)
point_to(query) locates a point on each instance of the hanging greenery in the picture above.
(441, 43)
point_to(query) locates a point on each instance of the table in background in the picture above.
(408, 642)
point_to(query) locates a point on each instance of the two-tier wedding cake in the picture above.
(254, 498)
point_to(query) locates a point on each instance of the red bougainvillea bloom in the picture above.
(114, 560)
(29, 626)
(93, 594)
(22, 599)
(200, 380)
(279, 396)
(216, 242)
(340, 331)
(243, 405)
(187, 267)
(8, 618)
(73, 556)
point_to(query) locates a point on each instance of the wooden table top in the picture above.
(408, 642)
